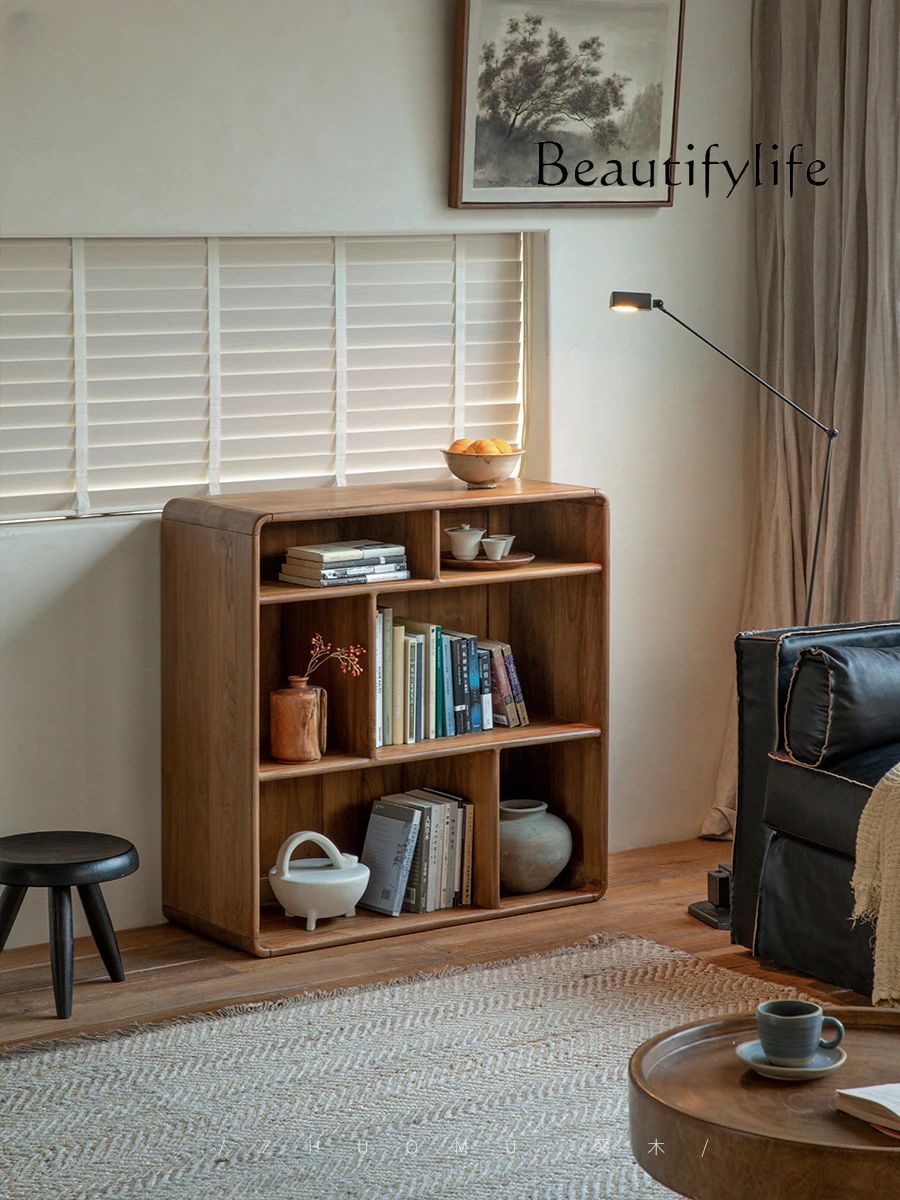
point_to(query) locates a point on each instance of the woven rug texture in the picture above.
(504, 1081)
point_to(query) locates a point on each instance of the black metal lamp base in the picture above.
(716, 909)
(711, 914)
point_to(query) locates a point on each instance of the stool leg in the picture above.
(102, 929)
(10, 903)
(61, 949)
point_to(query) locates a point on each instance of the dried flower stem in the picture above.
(347, 659)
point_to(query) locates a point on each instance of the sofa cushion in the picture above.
(842, 702)
(824, 807)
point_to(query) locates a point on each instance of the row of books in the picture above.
(418, 849)
(337, 564)
(432, 682)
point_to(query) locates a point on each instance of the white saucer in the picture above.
(751, 1055)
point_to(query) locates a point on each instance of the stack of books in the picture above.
(418, 849)
(337, 564)
(432, 682)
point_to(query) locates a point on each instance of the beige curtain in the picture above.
(826, 73)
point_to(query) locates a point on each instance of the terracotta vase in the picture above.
(297, 721)
(534, 846)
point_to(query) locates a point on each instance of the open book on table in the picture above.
(879, 1105)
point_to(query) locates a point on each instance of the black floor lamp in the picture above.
(644, 302)
(716, 911)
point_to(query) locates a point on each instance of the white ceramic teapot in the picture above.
(317, 887)
(464, 541)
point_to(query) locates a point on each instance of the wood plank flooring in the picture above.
(170, 971)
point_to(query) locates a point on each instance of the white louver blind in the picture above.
(134, 370)
(277, 316)
(37, 379)
(147, 359)
(434, 329)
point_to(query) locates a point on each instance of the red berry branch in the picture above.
(321, 652)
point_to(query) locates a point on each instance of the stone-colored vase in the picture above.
(535, 845)
(297, 721)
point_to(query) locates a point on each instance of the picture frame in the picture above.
(549, 95)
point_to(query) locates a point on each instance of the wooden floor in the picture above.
(171, 972)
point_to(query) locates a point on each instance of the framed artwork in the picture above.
(565, 103)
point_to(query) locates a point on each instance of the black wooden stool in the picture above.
(60, 860)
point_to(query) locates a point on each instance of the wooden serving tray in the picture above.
(707, 1127)
(515, 558)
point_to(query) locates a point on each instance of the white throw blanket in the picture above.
(876, 883)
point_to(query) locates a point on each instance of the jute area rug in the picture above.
(504, 1081)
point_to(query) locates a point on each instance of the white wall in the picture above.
(226, 116)
(79, 696)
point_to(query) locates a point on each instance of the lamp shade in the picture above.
(631, 301)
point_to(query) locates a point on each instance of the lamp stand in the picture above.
(831, 433)
(716, 911)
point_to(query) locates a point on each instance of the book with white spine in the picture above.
(409, 688)
(487, 700)
(457, 829)
(387, 676)
(448, 869)
(347, 551)
(379, 678)
(431, 637)
(421, 888)
(449, 714)
(399, 688)
(309, 569)
(284, 577)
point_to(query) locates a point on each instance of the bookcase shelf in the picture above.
(282, 935)
(275, 592)
(232, 633)
(539, 729)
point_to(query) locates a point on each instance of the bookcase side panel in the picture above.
(271, 668)
(559, 631)
(209, 727)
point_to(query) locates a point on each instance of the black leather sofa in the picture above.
(800, 799)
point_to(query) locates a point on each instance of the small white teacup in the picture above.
(494, 547)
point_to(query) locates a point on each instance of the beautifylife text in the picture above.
(552, 171)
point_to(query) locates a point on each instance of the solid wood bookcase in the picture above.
(231, 633)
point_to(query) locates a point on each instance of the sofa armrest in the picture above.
(765, 663)
(842, 701)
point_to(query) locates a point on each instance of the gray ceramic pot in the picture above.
(534, 846)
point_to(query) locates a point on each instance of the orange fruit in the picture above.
(503, 447)
(482, 446)
(460, 446)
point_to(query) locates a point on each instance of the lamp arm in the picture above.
(832, 433)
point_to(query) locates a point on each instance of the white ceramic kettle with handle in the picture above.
(316, 888)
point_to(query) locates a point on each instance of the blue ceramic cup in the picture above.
(791, 1031)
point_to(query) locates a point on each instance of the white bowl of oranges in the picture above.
(482, 463)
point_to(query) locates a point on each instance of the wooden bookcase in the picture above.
(231, 633)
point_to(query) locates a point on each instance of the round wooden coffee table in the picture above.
(705, 1126)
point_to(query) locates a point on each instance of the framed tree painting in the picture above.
(565, 103)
